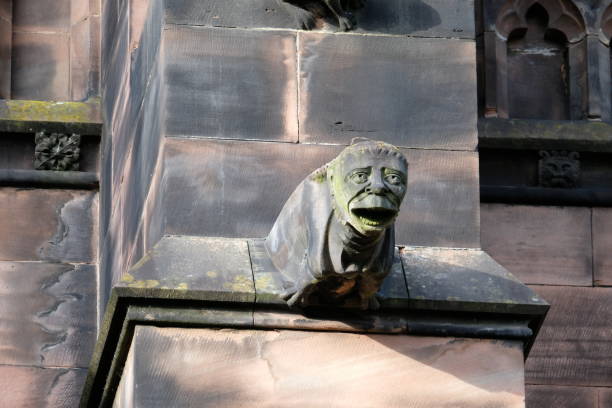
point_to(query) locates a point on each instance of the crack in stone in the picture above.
(56, 379)
(68, 297)
(62, 228)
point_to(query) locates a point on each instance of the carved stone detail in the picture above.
(559, 169)
(563, 16)
(57, 151)
(334, 240)
(606, 25)
(306, 12)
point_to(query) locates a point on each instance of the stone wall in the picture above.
(216, 110)
(55, 50)
(48, 292)
(48, 236)
(564, 254)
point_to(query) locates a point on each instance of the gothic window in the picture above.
(541, 61)
(605, 63)
(537, 70)
(606, 25)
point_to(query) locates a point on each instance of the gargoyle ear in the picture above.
(574, 156)
(544, 154)
(356, 140)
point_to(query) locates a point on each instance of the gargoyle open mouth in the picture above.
(374, 217)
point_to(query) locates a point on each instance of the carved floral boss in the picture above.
(334, 240)
(57, 151)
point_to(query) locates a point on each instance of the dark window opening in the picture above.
(538, 70)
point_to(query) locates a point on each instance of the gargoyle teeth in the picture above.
(374, 216)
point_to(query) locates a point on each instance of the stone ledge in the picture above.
(49, 179)
(583, 136)
(20, 116)
(219, 282)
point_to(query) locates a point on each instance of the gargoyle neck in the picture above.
(354, 242)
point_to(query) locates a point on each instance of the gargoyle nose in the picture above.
(377, 186)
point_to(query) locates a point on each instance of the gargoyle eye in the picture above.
(359, 177)
(394, 179)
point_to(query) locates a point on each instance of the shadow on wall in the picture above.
(33, 70)
(385, 15)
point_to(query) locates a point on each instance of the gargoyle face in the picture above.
(559, 169)
(368, 186)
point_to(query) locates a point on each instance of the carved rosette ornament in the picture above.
(57, 151)
(334, 240)
(559, 169)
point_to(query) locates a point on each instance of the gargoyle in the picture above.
(306, 12)
(559, 169)
(334, 240)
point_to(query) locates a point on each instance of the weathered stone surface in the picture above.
(51, 116)
(602, 242)
(232, 84)
(16, 151)
(81, 48)
(41, 15)
(605, 398)
(241, 187)
(145, 42)
(94, 69)
(213, 268)
(79, 10)
(428, 18)
(115, 57)
(544, 134)
(40, 387)
(47, 225)
(465, 280)
(392, 89)
(6, 45)
(41, 66)
(6, 9)
(134, 164)
(94, 6)
(239, 368)
(219, 13)
(544, 396)
(541, 245)
(47, 314)
(573, 347)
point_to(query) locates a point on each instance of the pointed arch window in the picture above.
(606, 25)
(541, 61)
(605, 63)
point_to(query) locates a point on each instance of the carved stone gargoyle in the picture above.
(306, 12)
(334, 240)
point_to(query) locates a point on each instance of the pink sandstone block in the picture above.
(284, 368)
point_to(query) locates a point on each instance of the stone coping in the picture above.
(583, 136)
(22, 116)
(49, 179)
(220, 282)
